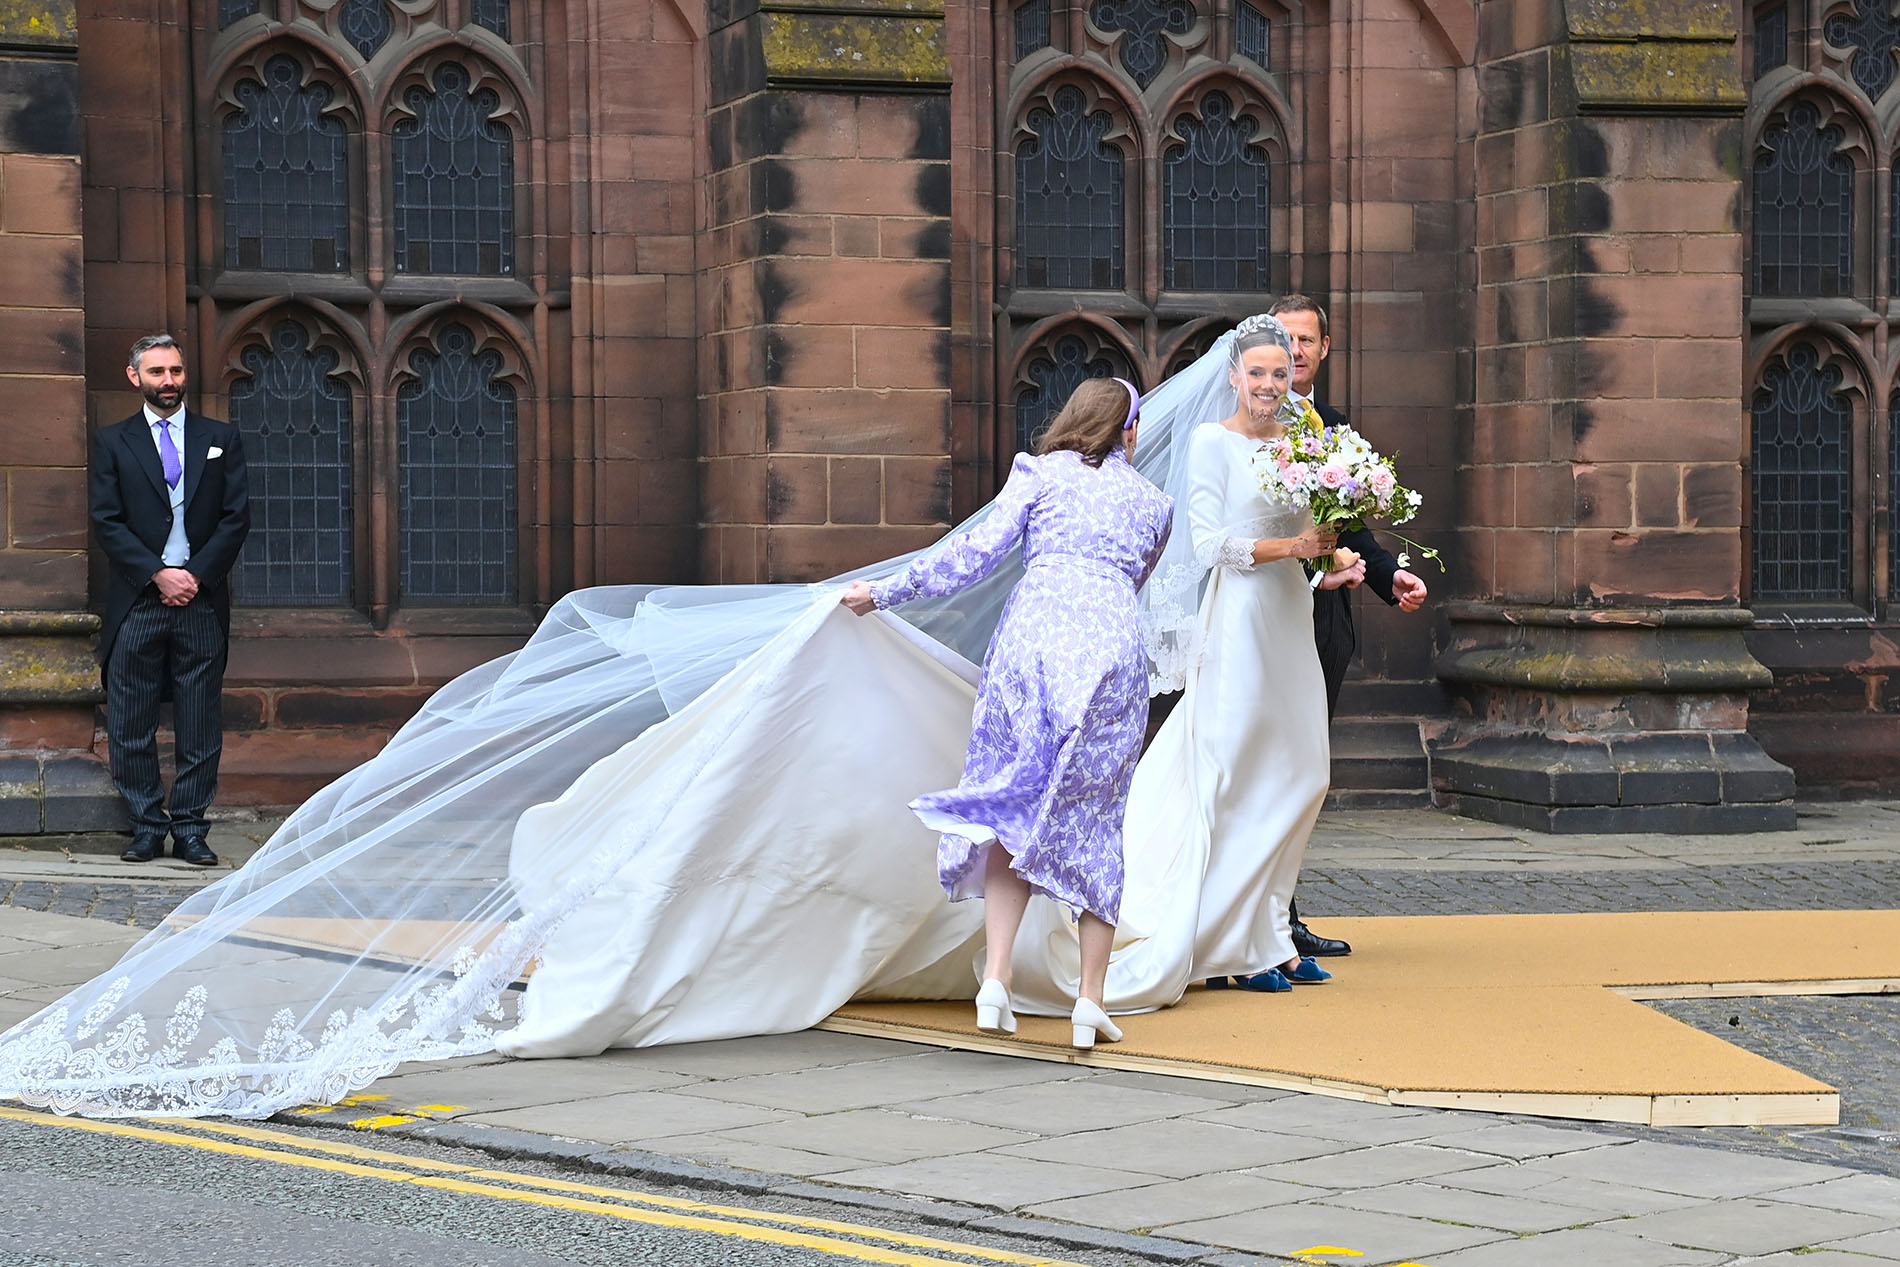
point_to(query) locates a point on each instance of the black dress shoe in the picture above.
(143, 849)
(194, 850)
(1308, 942)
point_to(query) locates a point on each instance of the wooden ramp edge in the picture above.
(1817, 1108)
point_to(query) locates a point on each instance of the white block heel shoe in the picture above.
(992, 1009)
(1089, 1022)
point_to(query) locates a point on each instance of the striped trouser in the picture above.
(163, 650)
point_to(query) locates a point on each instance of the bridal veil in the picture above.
(639, 734)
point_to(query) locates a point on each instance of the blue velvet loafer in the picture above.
(1308, 973)
(1272, 981)
(1217, 983)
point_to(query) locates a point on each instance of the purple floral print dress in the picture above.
(1063, 702)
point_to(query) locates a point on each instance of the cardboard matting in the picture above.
(1514, 1013)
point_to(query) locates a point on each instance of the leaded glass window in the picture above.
(456, 431)
(1251, 34)
(453, 170)
(230, 11)
(1803, 209)
(366, 25)
(1802, 474)
(1215, 203)
(1771, 39)
(1145, 26)
(492, 14)
(286, 176)
(1869, 28)
(1032, 27)
(295, 417)
(1068, 198)
(1054, 373)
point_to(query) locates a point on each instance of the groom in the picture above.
(1305, 322)
(171, 509)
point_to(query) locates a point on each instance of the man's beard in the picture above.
(163, 399)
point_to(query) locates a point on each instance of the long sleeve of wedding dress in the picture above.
(1215, 546)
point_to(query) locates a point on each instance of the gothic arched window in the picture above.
(456, 423)
(294, 413)
(1802, 477)
(452, 165)
(1068, 197)
(1150, 161)
(1052, 374)
(1215, 202)
(1803, 209)
(286, 176)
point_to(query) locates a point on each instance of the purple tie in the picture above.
(168, 453)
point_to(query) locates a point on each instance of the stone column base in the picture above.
(1606, 721)
(50, 779)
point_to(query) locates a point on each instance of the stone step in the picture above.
(1380, 754)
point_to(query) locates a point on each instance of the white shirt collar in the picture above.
(153, 418)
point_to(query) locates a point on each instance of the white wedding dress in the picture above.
(804, 883)
(684, 810)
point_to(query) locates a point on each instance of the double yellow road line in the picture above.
(842, 1240)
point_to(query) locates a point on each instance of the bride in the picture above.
(1225, 798)
(682, 808)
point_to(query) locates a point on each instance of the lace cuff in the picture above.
(1234, 552)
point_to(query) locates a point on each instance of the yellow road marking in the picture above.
(718, 1220)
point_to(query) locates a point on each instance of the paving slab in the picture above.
(1815, 1258)
(1392, 1126)
(1518, 1214)
(514, 1084)
(727, 1150)
(1606, 1200)
(1750, 1226)
(1232, 1092)
(1581, 1247)
(1873, 1244)
(880, 1135)
(769, 1054)
(1176, 1201)
(1368, 1238)
(1008, 1183)
(1857, 1194)
(1524, 1140)
(1072, 1104)
(1173, 1148)
(897, 1080)
(631, 1118)
(1371, 1167)
(1697, 1172)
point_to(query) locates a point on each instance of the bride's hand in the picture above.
(1314, 542)
(858, 598)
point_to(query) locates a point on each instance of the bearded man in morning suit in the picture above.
(1305, 322)
(171, 509)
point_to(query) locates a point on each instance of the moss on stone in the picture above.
(48, 671)
(1636, 19)
(22, 23)
(881, 48)
(1657, 75)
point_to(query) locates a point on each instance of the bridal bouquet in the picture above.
(1342, 477)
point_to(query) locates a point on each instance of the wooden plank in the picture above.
(1758, 989)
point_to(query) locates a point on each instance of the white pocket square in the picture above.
(213, 452)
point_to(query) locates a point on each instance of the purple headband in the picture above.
(1134, 403)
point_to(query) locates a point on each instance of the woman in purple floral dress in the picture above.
(1063, 703)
